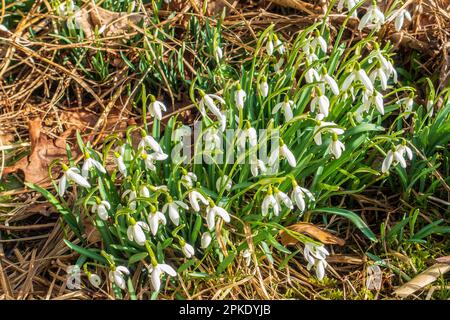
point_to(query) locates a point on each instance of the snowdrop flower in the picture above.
(386, 65)
(282, 197)
(324, 126)
(66, 8)
(269, 46)
(154, 219)
(277, 66)
(247, 255)
(379, 73)
(117, 275)
(278, 45)
(264, 87)
(173, 207)
(149, 141)
(101, 207)
(298, 196)
(249, 133)
(131, 193)
(239, 97)
(90, 163)
(188, 179)
(71, 174)
(319, 41)
(144, 192)
(209, 101)
(156, 273)
(349, 4)
(409, 102)
(373, 19)
(375, 98)
(336, 147)
(135, 231)
(400, 18)
(156, 107)
(206, 240)
(322, 101)
(404, 149)
(358, 74)
(219, 53)
(94, 279)
(393, 157)
(212, 211)
(188, 250)
(286, 107)
(269, 201)
(331, 82)
(213, 141)
(283, 152)
(194, 198)
(120, 164)
(257, 166)
(224, 182)
(311, 75)
(316, 256)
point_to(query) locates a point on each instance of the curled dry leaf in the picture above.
(43, 152)
(423, 279)
(311, 231)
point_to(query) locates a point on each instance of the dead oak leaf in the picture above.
(310, 230)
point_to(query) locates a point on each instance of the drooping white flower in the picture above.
(188, 179)
(324, 126)
(316, 255)
(224, 182)
(319, 41)
(144, 192)
(101, 208)
(120, 164)
(269, 201)
(212, 211)
(156, 107)
(269, 47)
(331, 83)
(373, 19)
(282, 197)
(386, 65)
(95, 280)
(188, 250)
(71, 174)
(247, 255)
(400, 18)
(373, 98)
(278, 45)
(117, 275)
(157, 271)
(277, 66)
(409, 102)
(322, 101)
(194, 198)
(173, 207)
(218, 53)
(405, 150)
(349, 4)
(206, 240)
(149, 141)
(283, 152)
(264, 87)
(311, 75)
(336, 147)
(358, 75)
(213, 140)
(135, 232)
(257, 166)
(393, 157)
(66, 8)
(298, 196)
(286, 107)
(239, 97)
(379, 73)
(131, 193)
(154, 219)
(209, 101)
(91, 163)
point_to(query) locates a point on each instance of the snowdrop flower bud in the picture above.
(239, 97)
(269, 201)
(373, 19)
(188, 179)
(224, 182)
(157, 271)
(206, 240)
(95, 280)
(247, 255)
(409, 102)
(269, 47)
(188, 250)
(156, 107)
(135, 231)
(219, 53)
(71, 174)
(144, 192)
(154, 219)
(120, 164)
(101, 208)
(194, 198)
(212, 211)
(264, 87)
(286, 107)
(336, 147)
(298, 196)
(282, 197)
(278, 45)
(90, 163)
(117, 275)
(316, 255)
(322, 101)
(173, 207)
(400, 18)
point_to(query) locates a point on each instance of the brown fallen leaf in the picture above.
(43, 152)
(312, 231)
(422, 280)
(445, 259)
